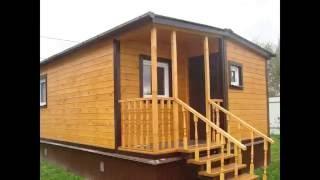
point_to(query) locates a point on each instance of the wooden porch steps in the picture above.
(216, 171)
(213, 158)
(202, 147)
(244, 176)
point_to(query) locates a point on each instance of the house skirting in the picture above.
(100, 165)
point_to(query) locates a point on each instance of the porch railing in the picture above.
(136, 124)
(215, 111)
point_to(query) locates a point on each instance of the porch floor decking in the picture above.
(147, 149)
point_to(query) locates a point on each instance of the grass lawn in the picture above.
(49, 171)
(273, 171)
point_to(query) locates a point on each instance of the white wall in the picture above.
(274, 115)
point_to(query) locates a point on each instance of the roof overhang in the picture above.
(163, 20)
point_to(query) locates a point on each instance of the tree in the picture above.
(273, 68)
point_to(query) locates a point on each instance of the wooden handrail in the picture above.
(212, 125)
(141, 99)
(241, 121)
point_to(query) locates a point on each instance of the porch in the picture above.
(175, 106)
(153, 75)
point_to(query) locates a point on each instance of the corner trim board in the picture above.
(117, 91)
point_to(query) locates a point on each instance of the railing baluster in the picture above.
(218, 124)
(252, 155)
(196, 152)
(147, 125)
(235, 161)
(185, 139)
(228, 130)
(129, 124)
(212, 111)
(123, 126)
(169, 123)
(222, 158)
(141, 124)
(134, 110)
(265, 147)
(162, 119)
(240, 139)
(208, 167)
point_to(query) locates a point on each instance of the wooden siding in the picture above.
(80, 97)
(250, 104)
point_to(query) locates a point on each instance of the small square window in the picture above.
(235, 75)
(43, 90)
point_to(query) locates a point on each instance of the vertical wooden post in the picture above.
(123, 126)
(265, 147)
(135, 124)
(175, 88)
(141, 124)
(169, 124)
(129, 124)
(185, 139)
(196, 152)
(222, 158)
(207, 91)
(228, 129)
(252, 154)
(240, 139)
(236, 161)
(162, 122)
(147, 124)
(218, 124)
(154, 85)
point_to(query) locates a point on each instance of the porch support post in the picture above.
(207, 91)
(154, 85)
(175, 89)
(207, 76)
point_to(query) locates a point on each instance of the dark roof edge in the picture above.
(249, 44)
(114, 31)
(159, 19)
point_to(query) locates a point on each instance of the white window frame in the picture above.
(236, 69)
(165, 66)
(43, 81)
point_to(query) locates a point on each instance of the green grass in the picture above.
(49, 171)
(273, 171)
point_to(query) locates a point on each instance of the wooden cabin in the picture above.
(157, 98)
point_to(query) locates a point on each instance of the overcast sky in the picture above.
(78, 20)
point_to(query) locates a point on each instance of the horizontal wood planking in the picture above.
(80, 97)
(129, 69)
(250, 103)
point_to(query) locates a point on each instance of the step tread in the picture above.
(213, 158)
(202, 147)
(216, 171)
(245, 176)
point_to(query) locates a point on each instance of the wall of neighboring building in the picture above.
(249, 103)
(274, 115)
(80, 97)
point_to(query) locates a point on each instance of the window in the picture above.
(43, 90)
(163, 77)
(236, 75)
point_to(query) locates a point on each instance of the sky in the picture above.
(79, 20)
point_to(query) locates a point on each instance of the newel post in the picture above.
(154, 85)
